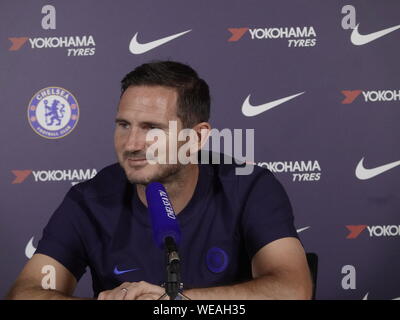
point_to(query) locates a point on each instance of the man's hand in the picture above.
(133, 291)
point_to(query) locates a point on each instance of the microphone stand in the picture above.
(173, 285)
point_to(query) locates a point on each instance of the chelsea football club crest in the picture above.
(53, 112)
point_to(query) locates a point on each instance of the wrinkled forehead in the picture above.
(144, 102)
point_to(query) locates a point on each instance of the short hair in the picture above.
(193, 103)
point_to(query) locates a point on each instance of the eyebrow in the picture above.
(151, 123)
(121, 120)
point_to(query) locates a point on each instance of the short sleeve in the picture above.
(61, 238)
(267, 214)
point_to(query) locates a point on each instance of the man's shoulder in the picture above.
(108, 181)
(230, 170)
(236, 189)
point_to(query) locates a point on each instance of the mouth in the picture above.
(137, 162)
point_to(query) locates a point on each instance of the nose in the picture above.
(136, 140)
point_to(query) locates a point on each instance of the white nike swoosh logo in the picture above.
(250, 111)
(366, 297)
(30, 249)
(359, 39)
(302, 229)
(363, 174)
(138, 48)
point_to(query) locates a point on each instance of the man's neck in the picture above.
(180, 191)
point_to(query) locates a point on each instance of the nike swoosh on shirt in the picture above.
(363, 174)
(360, 39)
(138, 48)
(30, 249)
(118, 272)
(250, 111)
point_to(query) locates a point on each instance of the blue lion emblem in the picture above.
(55, 112)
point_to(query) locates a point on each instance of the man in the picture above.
(238, 238)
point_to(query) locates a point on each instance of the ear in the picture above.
(203, 130)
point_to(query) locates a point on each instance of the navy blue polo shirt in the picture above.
(102, 224)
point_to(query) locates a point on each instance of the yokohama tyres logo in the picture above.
(301, 170)
(71, 175)
(304, 36)
(373, 231)
(75, 45)
(371, 96)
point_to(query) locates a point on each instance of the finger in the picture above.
(148, 296)
(152, 288)
(121, 293)
(114, 294)
(102, 295)
(136, 289)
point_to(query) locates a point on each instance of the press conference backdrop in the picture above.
(330, 67)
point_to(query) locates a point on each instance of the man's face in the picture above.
(141, 109)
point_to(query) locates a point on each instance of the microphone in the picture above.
(167, 235)
(166, 231)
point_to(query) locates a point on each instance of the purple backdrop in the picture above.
(348, 111)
